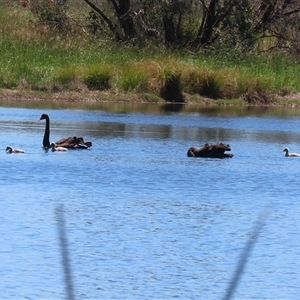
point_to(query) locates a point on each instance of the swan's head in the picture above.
(286, 149)
(43, 117)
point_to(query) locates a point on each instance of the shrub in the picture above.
(171, 89)
(52, 14)
(258, 91)
(210, 86)
(66, 75)
(258, 97)
(203, 82)
(134, 77)
(98, 78)
(210, 83)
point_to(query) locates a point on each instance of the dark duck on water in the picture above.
(210, 150)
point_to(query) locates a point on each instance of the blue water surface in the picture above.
(142, 220)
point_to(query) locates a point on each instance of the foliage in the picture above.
(52, 14)
(225, 25)
(197, 24)
(49, 61)
(171, 89)
(98, 77)
(67, 74)
(134, 78)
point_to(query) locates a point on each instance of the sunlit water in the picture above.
(144, 221)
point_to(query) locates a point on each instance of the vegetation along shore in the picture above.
(207, 52)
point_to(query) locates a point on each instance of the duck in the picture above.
(68, 142)
(73, 143)
(288, 154)
(57, 148)
(10, 149)
(210, 150)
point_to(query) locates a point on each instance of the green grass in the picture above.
(98, 77)
(44, 60)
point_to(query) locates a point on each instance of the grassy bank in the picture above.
(34, 59)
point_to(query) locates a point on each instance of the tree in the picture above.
(199, 23)
(124, 29)
(245, 20)
(52, 14)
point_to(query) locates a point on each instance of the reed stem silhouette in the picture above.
(65, 257)
(237, 275)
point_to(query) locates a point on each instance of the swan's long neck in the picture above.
(46, 140)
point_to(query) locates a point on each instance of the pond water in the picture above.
(135, 218)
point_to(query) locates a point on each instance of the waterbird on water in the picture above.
(57, 148)
(10, 149)
(288, 154)
(72, 142)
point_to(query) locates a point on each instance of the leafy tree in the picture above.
(123, 27)
(187, 23)
(243, 20)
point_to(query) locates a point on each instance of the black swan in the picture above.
(68, 142)
(213, 151)
(288, 154)
(57, 148)
(10, 149)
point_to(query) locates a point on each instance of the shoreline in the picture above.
(292, 99)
